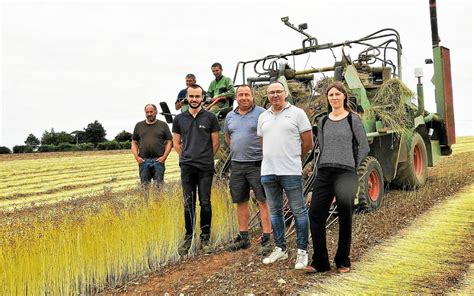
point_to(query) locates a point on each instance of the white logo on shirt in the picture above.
(201, 126)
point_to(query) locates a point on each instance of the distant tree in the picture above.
(63, 137)
(95, 133)
(48, 138)
(123, 136)
(53, 138)
(32, 141)
(79, 136)
(5, 150)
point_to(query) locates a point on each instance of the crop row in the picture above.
(107, 247)
(34, 181)
(41, 166)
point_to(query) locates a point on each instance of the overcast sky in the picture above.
(68, 63)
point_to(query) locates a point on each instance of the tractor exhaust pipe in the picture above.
(434, 24)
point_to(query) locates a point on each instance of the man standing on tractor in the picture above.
(241, 135)
(151, 145)
(181, 101)
(196, 140)
(287, 136)
(220, 93)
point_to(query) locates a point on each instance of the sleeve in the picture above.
(168, 135)
(230, 88)
(226, 124)
(320, 133)
(135, 135)
(210, 90)
(361, 137)
(214, 124)
(176, 128)
(259, 126)
(303, 122)
(181, 96)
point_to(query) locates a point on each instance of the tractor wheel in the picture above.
(412, 173)
(371, 188)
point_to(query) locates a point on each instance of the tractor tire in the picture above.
(371, 186)
(412, 173)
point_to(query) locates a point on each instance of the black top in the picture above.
(151, 138)
(196, 138)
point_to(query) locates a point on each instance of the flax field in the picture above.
(74, 225)
(30, 182)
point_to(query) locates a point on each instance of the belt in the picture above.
(255, 163)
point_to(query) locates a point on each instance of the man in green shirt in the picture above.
(221, 90)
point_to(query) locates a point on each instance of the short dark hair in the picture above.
(191, 76)
(194, 86)
(217, 65)
(153, 105)
(243, 85)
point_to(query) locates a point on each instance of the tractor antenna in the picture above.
(310, 40)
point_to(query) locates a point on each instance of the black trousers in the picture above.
(198, 181)
(330, 183)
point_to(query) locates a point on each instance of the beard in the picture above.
(151, 118)
(194, 105)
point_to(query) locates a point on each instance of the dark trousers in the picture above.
(330, 183)
(198, 181)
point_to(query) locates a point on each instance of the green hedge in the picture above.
(22, 149)
(108, 145)
(5, 150)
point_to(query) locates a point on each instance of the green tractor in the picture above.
(404, 138)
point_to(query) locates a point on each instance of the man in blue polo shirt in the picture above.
(241, 135)
(181, 101)
(196, 140)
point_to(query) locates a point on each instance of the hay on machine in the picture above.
(389, 106)
(307, 96)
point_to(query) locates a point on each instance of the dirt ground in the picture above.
(242, 272)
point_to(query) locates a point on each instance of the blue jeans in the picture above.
(151, 169)
(293, 187)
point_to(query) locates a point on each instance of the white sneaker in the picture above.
(301, 259)
(276, 255)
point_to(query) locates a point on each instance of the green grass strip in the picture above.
(408, 262)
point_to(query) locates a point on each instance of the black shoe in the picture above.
(206, 246)
(238, 244)
(185, 246)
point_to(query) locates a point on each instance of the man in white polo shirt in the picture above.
(286, 134)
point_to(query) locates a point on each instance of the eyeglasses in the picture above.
(275, 92)
(194, 96)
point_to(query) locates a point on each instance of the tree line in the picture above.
(89, 138)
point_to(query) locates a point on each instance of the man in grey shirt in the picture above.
(151, 145)
(241, 135)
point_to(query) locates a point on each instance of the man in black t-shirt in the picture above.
(151, 145)
(196, 140)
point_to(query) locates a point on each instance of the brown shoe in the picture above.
(343, 269)
(309, 269)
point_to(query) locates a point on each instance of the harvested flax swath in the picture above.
(427, 251)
